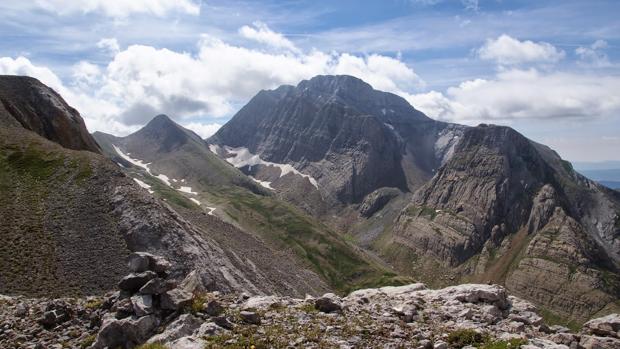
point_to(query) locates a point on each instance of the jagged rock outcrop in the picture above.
(389, 317)
(27, 102)
(517, 208)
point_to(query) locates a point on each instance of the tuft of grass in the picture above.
(88, 341)
(465, 337)
(552, 318)
(93, 304)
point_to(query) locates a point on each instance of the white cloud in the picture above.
(142, 81)
(524, 94)
(118, 8)
(506, 50)
(110, 45)
(203, 130)
(85, 74)
(593, 55)
(261, 33)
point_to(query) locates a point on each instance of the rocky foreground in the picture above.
(155, 312)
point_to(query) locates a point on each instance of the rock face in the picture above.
(27, 102)
(412, 316)
(350, 138)
(502, 194)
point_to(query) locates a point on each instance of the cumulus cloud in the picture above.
(141, 81)
(261, 33)
(524, 94)
(594, 55)
(119, 9)
(110, 45)
(506, 50)
(203, 130)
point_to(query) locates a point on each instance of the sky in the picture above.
(550, 69)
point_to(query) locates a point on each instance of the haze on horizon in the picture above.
(547, 68)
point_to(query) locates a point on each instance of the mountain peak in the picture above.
(27, 102)
(335, 83)
(161, 120)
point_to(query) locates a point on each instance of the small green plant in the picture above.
(93, 304)
(464, 337)
(308, 308)
(88, 341)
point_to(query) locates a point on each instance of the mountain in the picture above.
(71, 217)
(441, 202)
(175, 151)
(25, 101)
(174, 164)
(347, 139)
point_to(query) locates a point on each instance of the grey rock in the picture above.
(214, 308)
(134, 281)
(142, 304)
(138, 262)
(155, 286)
(223, 322)
(440, 345)
(250, 317)
(328, 303)
(606, 326)
(183, 326)
(21, 310)
(175, 299)
(125, 333)
(595, 342)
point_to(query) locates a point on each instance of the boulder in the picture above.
(209, 329)
(138, 262)
(214, 308)
(154, 286)
(596, 342)
(183, 326)
(134, 281)
(175, 299)
(125, 333)
(193, 284)
(123, 308)
(188, 343)
(250, 317)
(476, 293)
(260, 302)
(606, 326)
(142, 261)
(328, 303)
(142, 304)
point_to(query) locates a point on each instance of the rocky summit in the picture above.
(149, 309)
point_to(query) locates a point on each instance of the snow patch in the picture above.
(389, 126)
(143, 185)
(187, 190)
(263, 183)
(214, 148)
(242, 157)
(195, 201)
(143, 165)
(211, 209)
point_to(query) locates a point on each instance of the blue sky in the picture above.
(550, 69)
